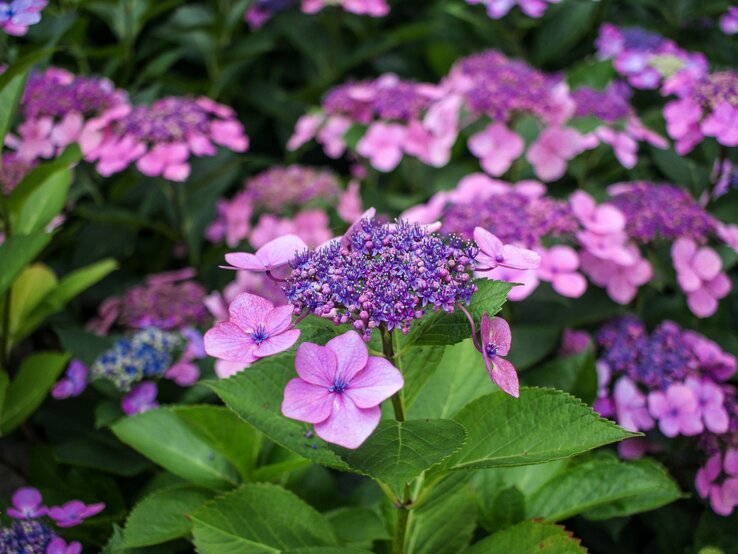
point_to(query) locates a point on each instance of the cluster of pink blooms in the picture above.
(32, 531)
(263, 10)
(673, 381)
(500, 8)
(17, 15)
(161, 138)
(425, 120)
(645, 58)
(271, 195)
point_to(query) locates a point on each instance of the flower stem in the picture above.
(389, 353)
(398, 542)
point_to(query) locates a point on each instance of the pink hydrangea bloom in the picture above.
(630, 406)
(272, 255)
(710, 406)
(383, 145)
(312, 227)
(621, 281)
(559, 267)
(27, 504)
(676, 411)
(339, 389)
(493, 253)
(496, 341)
(601, 219)
(553, 149)
(497, 147)
(256, 329)
(700, 276)
(305, 130)
(723, 494)
(729, 21)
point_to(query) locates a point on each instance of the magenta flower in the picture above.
(553, 149)
(620, 281)
(559, 267)
(74, 512)
(729, 21)
(256, 329)
(630, 406)
(339, 389)
(723, 495)
(59, 546)
(272, 255)
(528, 281)
(496, 341)
(602, 219)
(709, 404)
(700, 276)
(140, 398)
(493, 253)
(73, 383)
(305, 129)
(497, 9)
(185, 373)
(497, 147)
(712, 360)
(382, 145)
(676, 411)
(27, 504)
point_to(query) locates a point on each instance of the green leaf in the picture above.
(68, 288)
(444, 328)
(109, 456)
(563, 30)
(256, 397)
(163, 437)
(358, 525)
(605, 484)
(418, 365)
(36, 376)
(576, 374)
(397, 452)
(532, 343)
(226, 433)
(82, 344)
(460, 378)
(163, 515)
(16, 253)
(529, 537)
(541, 425)
(259, 518)
(29, 289)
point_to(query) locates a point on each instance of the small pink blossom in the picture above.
(722, 124)
(683, 124)
(723, 495)
(493, 253)
(676, 411)
(621, 281)
(630, 406)
(383, 145)
(553, 149)
(59, 546)
(305, 130)
(274, 254)
(27, 504)
(497, 147)
(331, 135)
(729, 21)
(74, 512)
(709, 404)
(496, 341)
(256, 329)
(350, 205)
(339, 389)
(711, 359)
(601, 219)
(700, 276)
(559, 267)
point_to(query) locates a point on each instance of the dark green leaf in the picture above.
(529, 537)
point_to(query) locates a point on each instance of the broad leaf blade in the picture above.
(16, 253)
(529, 537)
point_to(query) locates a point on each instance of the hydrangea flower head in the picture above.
(496, 341)
(700, 275)
(382, 275)
(339, 389)
(28, 537)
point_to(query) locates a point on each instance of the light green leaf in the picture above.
(36, 376)
(576, 374)
(163, 515)
(259, 518)
(256, 397)
(529, 537)
(16, 253)
(358, 525)
(418, 365)
(603, 483)
(28, 290)
(166, 439)
(397, 452)
(541, 425)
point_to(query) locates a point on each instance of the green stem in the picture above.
(389, 353)
(398, 542)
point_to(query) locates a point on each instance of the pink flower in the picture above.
(497, 147)
(339, 389)
(166, 159)
(610, 246)
(683, 124)
(722, 124)
(382, 145)
(73, 383)
(700, 276)
(74, 512)
(623, 145)
(140, 398)
(272, 255)
(559, 267)
(553, 148)
(431, 141)
(35, 139)
(676, 411)
(185, 373)
(527, 281)
(711, 359)
(305, 129)
(349, 205)
(602, 219)
(723, 496)
(621, 281)
(331, 135)
(709, 404)
(630, 406)
(256, 329)
(229, 134)
(27, 504)
(59, 546)
(493, 253)
(496, 341)
(729, 21)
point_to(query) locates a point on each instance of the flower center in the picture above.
(491, 349)
(499, 258)
(259, 334)
(338, 386)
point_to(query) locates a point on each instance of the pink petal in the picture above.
(351, 355)
(348, 425)
(682, 251)
(249, 311)
(224, 369)
(720, 286)
(657, 404)
(669, 426)
(228, 341)
(500, 334)
(716, 419)
(707, 264)
(279, 319)
(571, 285)
(375, 383)
(563, 258)
(731, 462)
(306, 402)
(504, 375)
(316, 364)
(701, 303)
(277, 343)
(245, 261)
(681, 396)
(279, 252)
(514, 257)
(487, 242)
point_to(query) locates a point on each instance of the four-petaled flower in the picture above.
(273, 255)
(27, 504)
(676, 411)
(496, 340)
(59, 546)
(339, 389)
(74, 512)
(256, 329)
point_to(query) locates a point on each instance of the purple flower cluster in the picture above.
(610, 105)
(32, 532)
(284, 188)
(17, 15)
(382, 274)
(160, 138)
(647, 220)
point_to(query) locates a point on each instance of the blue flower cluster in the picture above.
(25, 537)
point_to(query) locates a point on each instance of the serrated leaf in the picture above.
(541, 425)
(256, 396)
(163, 515)
(26, 392)
(165, 439)
(397, 452)
(529, 537)
(259, 518)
